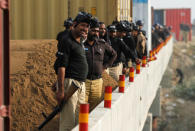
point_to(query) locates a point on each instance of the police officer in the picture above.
(95, 49)
(68, 24)
(72, 68)
(103, 31)
(129, 41)
(120, 47)
(155, 39)
(140, 24)
(121, 33)
(141, 46)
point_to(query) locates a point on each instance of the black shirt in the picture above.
(130, 42)
(71, 55)
(120, 47)
(61, 34)
(95, 55)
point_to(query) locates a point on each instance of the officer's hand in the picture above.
(138, 61)
(125, 70)
(60, 96)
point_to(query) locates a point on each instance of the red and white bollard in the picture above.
(131, 74)
(108, 97)
(121, 83)
(83, 117)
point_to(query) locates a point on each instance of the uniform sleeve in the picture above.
(62, 55)
(127, 52)
(111, 53)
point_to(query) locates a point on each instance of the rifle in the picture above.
(56, 110)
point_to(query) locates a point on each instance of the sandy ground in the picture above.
(32, 76)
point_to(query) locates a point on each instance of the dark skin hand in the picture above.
(60, 94)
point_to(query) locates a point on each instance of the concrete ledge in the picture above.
(130, 109)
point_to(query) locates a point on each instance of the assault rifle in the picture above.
(56, 110)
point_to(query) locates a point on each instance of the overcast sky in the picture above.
(175, 4)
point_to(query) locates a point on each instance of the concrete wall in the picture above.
(142, 11)
(129, 110)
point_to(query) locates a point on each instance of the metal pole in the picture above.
(6, 65)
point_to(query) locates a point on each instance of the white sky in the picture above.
(175, 4)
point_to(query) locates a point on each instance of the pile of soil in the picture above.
(31, 78)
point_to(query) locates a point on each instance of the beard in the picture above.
(92, 37)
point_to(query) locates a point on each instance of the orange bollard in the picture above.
(83, 117)
(144, 62)
(150, 56)
(154, 57)
(131, 74)
(122, 83)
(108, 97)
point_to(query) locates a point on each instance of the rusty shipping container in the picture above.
(175, 17)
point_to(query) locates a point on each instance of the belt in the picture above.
(94, 77)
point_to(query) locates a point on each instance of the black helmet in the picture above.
(115, 22)
(68, 22)
(94, 23)
(136, 28)
(83, 17)
(139, 23)
(111, 28)
(121, 26)
(129, 25)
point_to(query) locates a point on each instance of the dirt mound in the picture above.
(32, 76)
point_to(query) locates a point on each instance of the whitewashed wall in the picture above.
(129, 110)
(142, 11)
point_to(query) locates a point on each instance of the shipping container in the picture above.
(43, 19)
(106, 11)
(159, 16)
(175, 17)
(37, 19)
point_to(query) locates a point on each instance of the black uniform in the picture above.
(71, 55)
(61, 34)
(120, 47)
(95, 56)
(130, 42)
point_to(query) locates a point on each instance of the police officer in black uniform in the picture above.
(96, 49)
(72, 69)
(68, 24)
(129, 40)
(120, 47)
